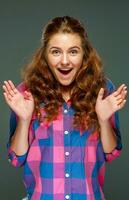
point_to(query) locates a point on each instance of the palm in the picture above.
(106, 107)
(112, 103)
(22, 105)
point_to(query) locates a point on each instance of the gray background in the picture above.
(21, 24)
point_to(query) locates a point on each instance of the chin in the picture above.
(65, 83)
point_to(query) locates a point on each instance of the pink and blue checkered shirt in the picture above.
(61, 163)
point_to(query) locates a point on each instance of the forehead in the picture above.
(65, 39)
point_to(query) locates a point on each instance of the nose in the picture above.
(65, 59)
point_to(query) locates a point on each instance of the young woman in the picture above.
(64, 121)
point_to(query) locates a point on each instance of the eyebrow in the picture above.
(69, 48)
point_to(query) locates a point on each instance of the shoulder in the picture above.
(21, 87)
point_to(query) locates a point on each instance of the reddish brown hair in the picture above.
(90, 78)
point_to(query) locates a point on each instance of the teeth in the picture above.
(64, 69)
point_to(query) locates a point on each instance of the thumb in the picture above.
(101, 94)
(27, 95)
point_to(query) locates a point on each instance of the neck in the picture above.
(66, 96)
(66, 92)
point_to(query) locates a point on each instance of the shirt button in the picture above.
(67, 197)
(67, 175)
(65, 111)
(67, 153)
(66, 132)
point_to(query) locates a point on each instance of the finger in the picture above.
(27, 95)
(7, 98)
(119, 90)
(120, 101)
(122, 104)
(101, 94)
(12, 86)
(8, 88)
(125, 87)
(119, 97)
(124, 93)
(5, 89)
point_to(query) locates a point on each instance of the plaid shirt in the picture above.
(61, 163)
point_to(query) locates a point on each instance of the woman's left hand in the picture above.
(113, 102)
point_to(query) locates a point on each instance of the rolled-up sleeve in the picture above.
(114, 120)
(117, 150)
(15, 160)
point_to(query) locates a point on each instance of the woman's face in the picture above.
(64, 56)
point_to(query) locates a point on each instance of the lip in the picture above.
(64, 71)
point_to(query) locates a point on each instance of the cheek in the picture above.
(77, 62)
(52, 65)
(53, 62)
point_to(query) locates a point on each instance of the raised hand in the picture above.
(112, 103)
(21, 104)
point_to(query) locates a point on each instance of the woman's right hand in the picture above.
(21, 104)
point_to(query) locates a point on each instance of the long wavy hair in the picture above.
(40, 81)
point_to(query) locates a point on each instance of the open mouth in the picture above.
(65, 72)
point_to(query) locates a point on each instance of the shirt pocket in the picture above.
(43, 136)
